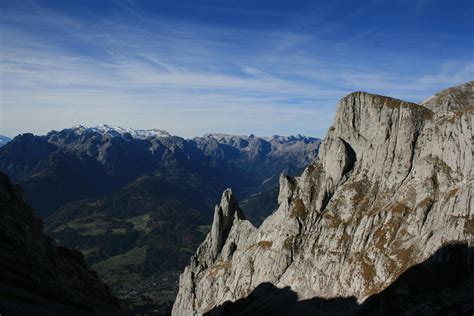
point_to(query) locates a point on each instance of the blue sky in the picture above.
(241, 67)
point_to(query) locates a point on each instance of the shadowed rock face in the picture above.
(443, 284)
(36, 275)
(392, 184)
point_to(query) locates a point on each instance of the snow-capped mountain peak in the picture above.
(116, 131)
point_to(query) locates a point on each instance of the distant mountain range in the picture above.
(138, 202)
(4, 140)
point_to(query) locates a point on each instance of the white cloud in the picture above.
(190, 79)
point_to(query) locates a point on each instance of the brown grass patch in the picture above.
(298, 209)
(469, 226)
(451, 194)
(265, 244)
(400, 208)
(288, 243)
(333, 221)
(425, 202)
(220, 265)
(367, 270)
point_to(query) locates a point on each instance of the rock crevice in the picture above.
(392, 184)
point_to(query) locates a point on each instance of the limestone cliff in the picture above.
(392, 185)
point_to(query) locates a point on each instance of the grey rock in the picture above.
(224, 215)
(454, 99)
(392, 184)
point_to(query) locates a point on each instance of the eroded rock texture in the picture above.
(392, 184)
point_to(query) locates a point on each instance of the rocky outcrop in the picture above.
(224, 216)
(392, 184)
(452, 99)
(38, 277)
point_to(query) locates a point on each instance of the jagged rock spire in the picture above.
(392, 184)
(224, 215)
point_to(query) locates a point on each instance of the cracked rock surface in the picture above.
(392, 184)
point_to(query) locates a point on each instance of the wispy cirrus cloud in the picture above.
(191, 77)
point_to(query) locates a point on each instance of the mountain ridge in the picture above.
(4, 140)
(45, 163)
(391, 185)
(116, 130)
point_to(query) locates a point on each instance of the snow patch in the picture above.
(118, 131)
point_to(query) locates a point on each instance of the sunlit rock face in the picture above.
(392, 185)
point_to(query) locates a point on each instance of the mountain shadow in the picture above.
(39, 277)
(442, 285)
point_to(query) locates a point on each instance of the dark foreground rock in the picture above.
(38, 277)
